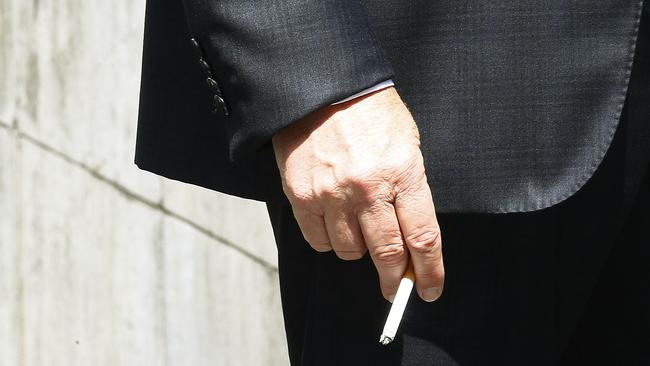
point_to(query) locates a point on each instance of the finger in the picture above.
(383, 238)
(345, 235)
(313, 229)
(417, 220)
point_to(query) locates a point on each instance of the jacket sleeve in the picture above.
(273, 62)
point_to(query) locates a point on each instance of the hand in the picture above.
(354, 176)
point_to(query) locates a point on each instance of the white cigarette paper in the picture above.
(398, 307)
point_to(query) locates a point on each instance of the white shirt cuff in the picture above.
(384, 84)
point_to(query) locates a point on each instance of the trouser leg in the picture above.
(516, 290)
(333, 309)
(615, 326)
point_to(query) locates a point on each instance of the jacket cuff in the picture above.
(275, 64)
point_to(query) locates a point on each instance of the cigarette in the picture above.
(399, 304)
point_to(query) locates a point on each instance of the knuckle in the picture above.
(370, 191)
(363, 181)
(424, 241)
(374, 194)
(328, 191)
(409, 183)
(409, 175)
(354, 179)
(389, 254)
(299, 197)
(393, 235)
(356, 186)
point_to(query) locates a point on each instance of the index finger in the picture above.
(417, 219)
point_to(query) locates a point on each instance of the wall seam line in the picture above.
(133, 196)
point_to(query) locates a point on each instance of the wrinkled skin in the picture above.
(354, 176)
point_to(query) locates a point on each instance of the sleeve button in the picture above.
(219, 103)
(204, 64)
(196, 48)
(213, 85)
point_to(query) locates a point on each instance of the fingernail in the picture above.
(430, 294)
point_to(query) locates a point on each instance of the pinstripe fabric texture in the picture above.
(517, 101)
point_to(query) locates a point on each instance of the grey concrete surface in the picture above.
(100, 263)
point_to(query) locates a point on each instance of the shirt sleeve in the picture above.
(383, 85)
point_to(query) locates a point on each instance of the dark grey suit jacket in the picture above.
(517, 101)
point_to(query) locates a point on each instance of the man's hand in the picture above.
(354, 176)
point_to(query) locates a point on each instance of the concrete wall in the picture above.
(100, 263)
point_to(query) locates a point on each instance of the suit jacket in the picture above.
(516, 101)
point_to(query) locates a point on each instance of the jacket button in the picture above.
(213, 85)
(196, 48)
(219, 103)
(204, 64)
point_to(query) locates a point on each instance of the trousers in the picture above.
(567, 285)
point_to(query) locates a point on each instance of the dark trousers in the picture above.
(568, 285)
